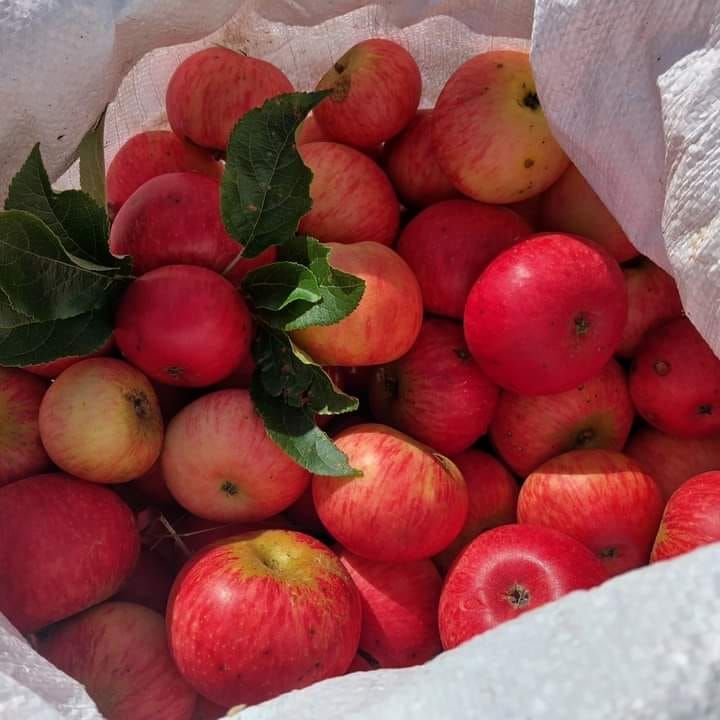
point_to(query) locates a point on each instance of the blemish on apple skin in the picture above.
(529, 162)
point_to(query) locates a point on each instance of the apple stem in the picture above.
(174, 535)
(232, 264)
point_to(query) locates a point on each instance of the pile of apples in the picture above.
(537, 415)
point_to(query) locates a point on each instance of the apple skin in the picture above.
(52, 369)
(118, 651)
(65, 545)
(352, 199)
(399, 609)
(149, 154)
(261, 614)
(174, 341)
(205, 461)
(309, 131)
(490, 134)
(449, 244)
(675, 381)
(409, 161)
(527, 430)
(21, 450)
(386, 322)
(691, 517)
(213, 88)
(492, 493)
(376, 88)
(601, 498)
(508, 571)
(174, 219)
(570, 205)
(653, 299)
(101, 421)
(149, 584)
(435, 393)
(546, 315)
(409, 504)
(670, 460)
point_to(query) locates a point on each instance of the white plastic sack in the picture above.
(631, 91)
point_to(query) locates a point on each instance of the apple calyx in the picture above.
(582, 324)
(662, 367)
(229, 488)
(140, 403)
(584, 438)
(518, 596)
(531, 100)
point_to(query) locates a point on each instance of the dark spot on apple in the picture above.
(174, 371)
(705, 409)
(499, 66)
(462, 352)
(229, 488)
(608, 552)
(339, 67)
(518, 596)
(582, 324)
(529, 162)
(221, 667)
(140, 403)
(661, 367)
(531, 100)
(584, 438)
(317, 664)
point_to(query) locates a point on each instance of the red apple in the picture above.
(571, 206)
(653, 299)
(409, 504)
(213, 88)
(493, 494)
(149, 584)
(375, 88)
(599, 497)
(671, 460)
(220, 464)
(546, 315)
(387, 320)
(262, 614)
(119, 652)
(449, 244)
(175, 219)
(527, 430)
(490, 133)
(309, 131)
(149, 154)
(352, 199)
(21, 451)
(411, 166)
(64, 545)
(436, 393)
(100, 421)
(183, 325)
(303, 514)
(675, 381)
(507, 571)
(52, 369)
(399, 609)
(691, 518)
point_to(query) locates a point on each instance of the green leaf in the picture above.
(294, 430)
(74, 217)
(340, 293)
(42, 342)
(275, 286)
(265, 188)
(38, 278)
(92, 161)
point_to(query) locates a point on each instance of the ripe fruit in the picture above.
(599, 497)
(309, 131)
(352, 199)
(213, 88)
(183, 325)
(570, 205)
(375, 88)
(410, 502)
(399, 609)
(670, 460)
(175, 219)
(149, 154)
(691, 518)
(220, 464)
(493, 494)
(506, 572)
(387, 320)
(64, 545)
(435, 393)
(528, 430)
(652, 300)
(273, 610)
(546, 315)
(409, 161)
(100, 421)
(449, 244)
(118, 651)
(149, 584)
(675, 381)
(490, 134)
(21, 451)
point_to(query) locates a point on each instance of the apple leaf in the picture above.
(265, 188)
(92, 161)
(40, 342)
(275, 286)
